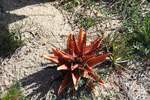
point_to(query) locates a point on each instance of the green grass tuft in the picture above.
(14, 93)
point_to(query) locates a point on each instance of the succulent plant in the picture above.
(78, 60)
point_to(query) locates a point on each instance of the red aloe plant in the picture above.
(78, 60)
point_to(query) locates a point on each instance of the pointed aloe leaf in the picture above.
(74, 67)
(75, 79)
(70, 44)
(86, 71)
(85, 74)
(93, 46)
(63, 85)
(97, 60)
(82, 39)
(86, 57)
(63, 67)
(53, 59)
(87, 49)
(69, 41)
(101, 82)
(89, 72)
(76, 46)
(96, 78)
(63, 55)
(97, 43)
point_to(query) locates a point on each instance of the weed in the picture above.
(125, 8)
(14, 93)
(87, 22)
(136, 35)
(116, 44)
(139, 38)
(70, 4)
(81, 18)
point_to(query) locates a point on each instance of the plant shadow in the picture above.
(9, 5)
(42, 83)
(9, 42)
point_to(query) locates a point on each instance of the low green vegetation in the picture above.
(87, 22)
(138, 39)
(83, 17)
(123, 8)
(135, 37)
(14, 93)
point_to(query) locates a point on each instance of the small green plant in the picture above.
(78, 61)
(14, 93)
(116, 44)
(87, 22)
(70, 4)
(139, 38)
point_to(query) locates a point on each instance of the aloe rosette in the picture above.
(79, 60)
